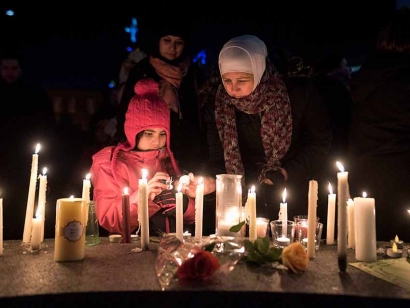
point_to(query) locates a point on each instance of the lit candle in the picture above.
(261, 226)
(42, 201)
(143, 209)
(1, 226)
(179, 213)
(36, 225)
(86, 188)
(342, 196)
(126, 233)
(252, 214)
(331, 212)
(70, 229)
(365, 225)
(312, 204)
(394, 252)
(199, 203)
(31, 196)
(283, 212)
(283, 241)
(350, 224)
(398, 242)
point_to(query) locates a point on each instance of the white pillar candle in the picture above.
(1, 226)
(313, 192)
(331, 213)
(350, 224)
(342, 197)
(42, 200)
(179, 213)
(283, 212)
(143, 209)
(199, 203)
(252, 214)
(365, 226)
(36, 232)
(31, 196)
(86, 188)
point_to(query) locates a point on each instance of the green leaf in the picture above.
(237, 227)
(209, 247)
(261, 245)
(248, 246)
(274, 254)
(255, 258)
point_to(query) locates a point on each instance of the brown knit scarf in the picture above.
(172, 76)
(270, 100)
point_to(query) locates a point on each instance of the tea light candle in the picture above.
(31, 196)
(283, 241)
(394, 252)
(398, 242)
(179, 213)
(261, 226)
(143, 209)
(253, 229)
(199, 203)
(186, 235)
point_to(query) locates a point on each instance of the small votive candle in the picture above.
(394, 252)
(283, 241)
(398, 242)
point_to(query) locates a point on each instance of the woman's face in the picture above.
(238, 84)
(171, 47)
(152, 139)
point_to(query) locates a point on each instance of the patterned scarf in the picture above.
(270, 100)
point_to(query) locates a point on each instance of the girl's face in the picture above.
(152, 139)
(171, 47)
(238, 84)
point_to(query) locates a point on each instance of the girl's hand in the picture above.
(157, 184)
(190, 188)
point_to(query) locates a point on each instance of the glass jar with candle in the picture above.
(228, 204)
(301, 229)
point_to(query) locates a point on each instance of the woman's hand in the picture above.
(157, 184)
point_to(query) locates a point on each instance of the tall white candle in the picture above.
(42, 200)
(179, 213)
(350, 224)
(365, 227)
(199, 204)
(86, 188)
(252, 214)
(342, 197)
(143, 209)
(283, 212)
(31, 196)
(331, 214)
(36, 225)
(1, 226)
(313, 191)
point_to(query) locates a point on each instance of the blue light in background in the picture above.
(201, 56)
(111, 84)
(132, 30)
(9, 12)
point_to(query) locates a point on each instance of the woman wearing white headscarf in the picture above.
(259, 125)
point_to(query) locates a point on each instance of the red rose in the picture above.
(202, 265)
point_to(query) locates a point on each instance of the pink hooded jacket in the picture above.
(115, 168)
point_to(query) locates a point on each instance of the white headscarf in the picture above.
(246, 54)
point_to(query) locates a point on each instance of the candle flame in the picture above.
(394, 247)
(396, 239)
(284, 194)
(330, 189)
(408, 211)
(252, 190)
(125, 190)
(71, 197)
(144, 173)
(179, 187)
(38, 147)
(88, 176)
(364, 194)
(340, 166)
(44, 171)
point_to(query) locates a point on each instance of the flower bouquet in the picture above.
(196, 262)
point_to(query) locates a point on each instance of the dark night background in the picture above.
(81, 45)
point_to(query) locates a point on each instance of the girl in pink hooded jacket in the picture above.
(147, 128)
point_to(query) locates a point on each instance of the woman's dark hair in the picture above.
(138, 137)
(395, 35)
